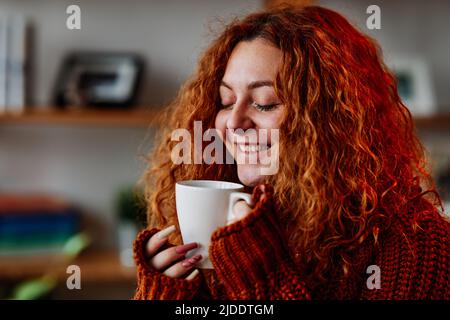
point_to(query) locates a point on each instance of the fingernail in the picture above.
(187, 263)
(196, 258)
(191, 261)
(185, 248)
(166, 232)
(192, 275)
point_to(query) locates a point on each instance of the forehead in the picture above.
(252, 60)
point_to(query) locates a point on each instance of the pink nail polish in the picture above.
(187, 264)
(185, 248)
(195, 258)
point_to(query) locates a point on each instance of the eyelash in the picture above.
(262, 108)
(266, 107)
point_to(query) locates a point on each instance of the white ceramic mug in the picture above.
(202, 207)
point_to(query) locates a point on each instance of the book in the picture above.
(16, 53)
(35, 224)
(30, 202)
(3, 61)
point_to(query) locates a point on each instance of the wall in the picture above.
(89, 164)
(170, 34)
(409, 28)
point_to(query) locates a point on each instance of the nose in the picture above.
(239, 117)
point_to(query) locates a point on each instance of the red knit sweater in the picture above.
(252, 261)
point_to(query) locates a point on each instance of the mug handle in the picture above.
(235, 197)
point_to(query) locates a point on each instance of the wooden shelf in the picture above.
(139, 117)
(96, 267)
(435, 122)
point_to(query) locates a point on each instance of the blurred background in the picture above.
(79, 109)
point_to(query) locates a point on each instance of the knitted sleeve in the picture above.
(251, 258)
(414, 259)
(154, 285)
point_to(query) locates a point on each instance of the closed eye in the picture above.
(260, 107)
(265, 107)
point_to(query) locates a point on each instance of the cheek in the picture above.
(221, 123)
(267, 121)
(272, 120)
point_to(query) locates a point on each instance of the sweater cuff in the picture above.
(251, 256)
(153, 284)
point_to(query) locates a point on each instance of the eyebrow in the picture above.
(251, 85)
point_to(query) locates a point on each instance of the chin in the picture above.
(249, 175)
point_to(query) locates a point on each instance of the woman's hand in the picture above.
(169, 259)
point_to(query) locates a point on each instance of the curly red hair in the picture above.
(354, 157)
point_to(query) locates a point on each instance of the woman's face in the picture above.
(249, 102)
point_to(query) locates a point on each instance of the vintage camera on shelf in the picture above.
(99, 79)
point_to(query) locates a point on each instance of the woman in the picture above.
(351, 211)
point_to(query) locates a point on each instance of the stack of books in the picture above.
(13, 49)
(35, 224)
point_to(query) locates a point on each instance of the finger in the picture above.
(181, 268)
(158, 239)
(192, 275)
(164, 259)
(241, 209)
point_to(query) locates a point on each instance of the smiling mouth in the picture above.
(248, 148)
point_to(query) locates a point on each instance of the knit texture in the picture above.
(252, 261)
(153, 284)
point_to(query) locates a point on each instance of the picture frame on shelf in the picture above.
(415, 85)
(99, 79)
